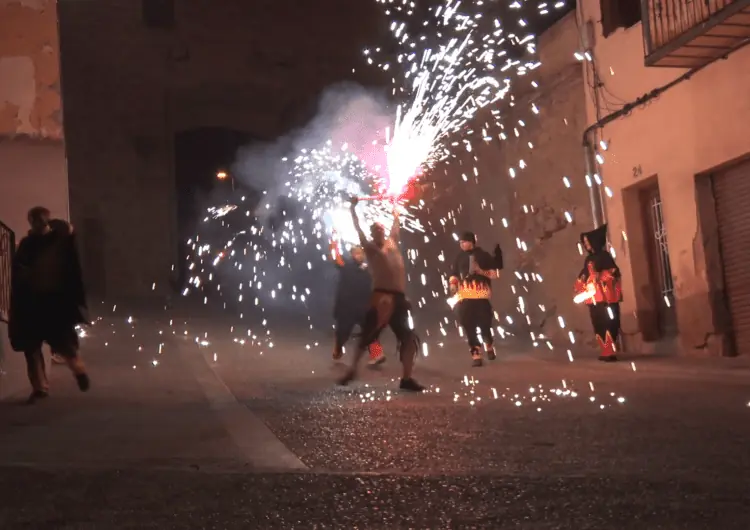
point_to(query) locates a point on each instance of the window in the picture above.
(158, 14)
(619, 14)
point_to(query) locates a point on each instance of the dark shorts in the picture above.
(386, 309)
(52, 324)
(61, 341)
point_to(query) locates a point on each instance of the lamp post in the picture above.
(223, 175)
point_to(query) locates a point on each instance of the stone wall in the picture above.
(534, 203)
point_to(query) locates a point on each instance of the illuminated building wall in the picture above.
(32, 155)
(677, 143)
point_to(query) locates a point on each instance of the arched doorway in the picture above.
(203, 158)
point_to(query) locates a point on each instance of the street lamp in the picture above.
(223, 175)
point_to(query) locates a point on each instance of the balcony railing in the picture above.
(690, 33)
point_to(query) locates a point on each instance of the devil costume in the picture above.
(599, 282)
(352, 302)
(471, 283)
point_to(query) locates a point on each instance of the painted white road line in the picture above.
(260, 447)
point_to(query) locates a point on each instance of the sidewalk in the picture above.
(13, 380)
(713, 367)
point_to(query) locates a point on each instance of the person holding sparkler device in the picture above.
(388, 303)
(470, 287)
(352, 300)
(599, 286)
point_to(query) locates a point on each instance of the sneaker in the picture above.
(36, 395)
(379, 358)
(476, 358)
(83, 381)
(491, 355)
(410, 385)
(608, 358)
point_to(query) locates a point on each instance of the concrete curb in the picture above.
(256, 442)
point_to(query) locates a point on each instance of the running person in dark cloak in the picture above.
(353, 294)
(471, 281)
(47, 300)
(388, 303)
(600, 277)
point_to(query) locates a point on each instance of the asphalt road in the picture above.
(196, 424)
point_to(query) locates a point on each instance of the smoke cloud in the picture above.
(347, 113)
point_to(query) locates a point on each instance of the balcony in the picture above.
(693, 33)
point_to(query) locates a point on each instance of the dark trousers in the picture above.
(606, 320)
(63, 342)
(345, 324)
(473, 314)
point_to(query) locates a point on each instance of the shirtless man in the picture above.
(388, 305)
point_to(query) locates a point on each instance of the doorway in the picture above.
(659, 266)
(203, 178)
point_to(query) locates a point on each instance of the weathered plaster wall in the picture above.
(534, 203)
(692, 129)
(32, 173)
(32, 154)
(128, 89)
(29, 69)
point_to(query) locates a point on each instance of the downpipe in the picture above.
(595, 189)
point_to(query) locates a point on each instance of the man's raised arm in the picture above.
(355, 220)
(396, 228)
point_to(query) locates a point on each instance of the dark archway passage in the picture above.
(200, 154)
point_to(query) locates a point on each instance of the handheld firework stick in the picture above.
(452, 301)
(588, 294)
(379, 198)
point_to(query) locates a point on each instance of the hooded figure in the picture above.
(47, 299)
(471, 283)
(352, 300)
(598, 286)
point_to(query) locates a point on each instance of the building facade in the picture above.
(136, 74)
(667, 95)
(32, 152)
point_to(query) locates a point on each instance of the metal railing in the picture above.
(665, 20)
(7, 250)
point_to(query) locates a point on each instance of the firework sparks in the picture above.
(450, 70)
(273, 249)
(457, 62)
(324, 180)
